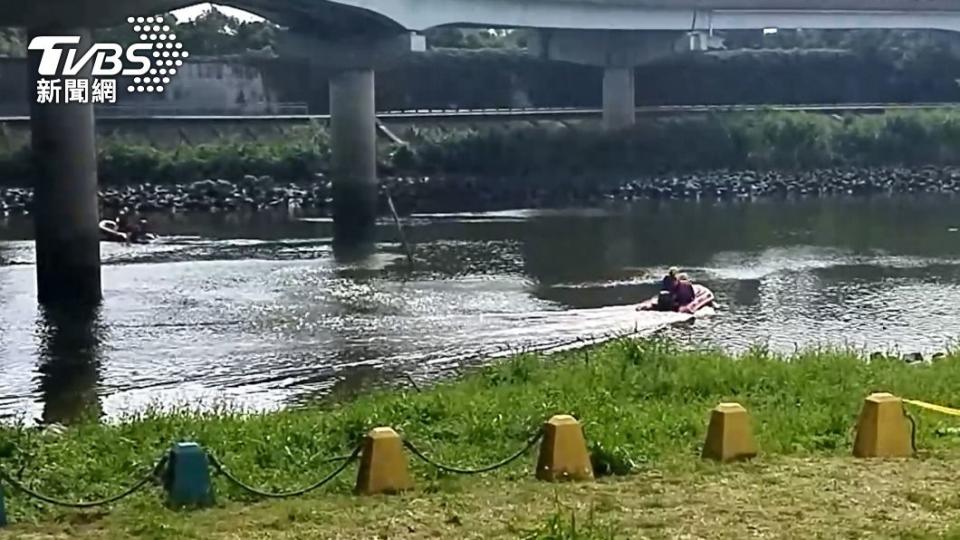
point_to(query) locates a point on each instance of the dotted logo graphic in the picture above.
(168, 54)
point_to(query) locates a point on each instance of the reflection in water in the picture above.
(354, 252)
(69, 365)
(354, 378)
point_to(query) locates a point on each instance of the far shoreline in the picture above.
(456, 194)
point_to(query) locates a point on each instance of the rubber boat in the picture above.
(110, 232)
(702, 297)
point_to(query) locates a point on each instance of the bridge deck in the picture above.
(753, 5)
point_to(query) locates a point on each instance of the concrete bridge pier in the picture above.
(618, 52)
(354, 160)
(65, 213)
(619, 97)
(352, 123)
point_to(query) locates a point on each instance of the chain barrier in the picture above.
(346, 461)
(456, 470)
(913, 429)
(150, 477)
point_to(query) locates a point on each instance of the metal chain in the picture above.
(913, 429)
(150, 477)
(456, 470)
(347, 460)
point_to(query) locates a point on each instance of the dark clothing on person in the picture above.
(669, 284)
(666, 301)
(123, 223)
(685, 293)
(139, 232)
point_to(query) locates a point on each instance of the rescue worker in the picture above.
(685, 293)
(139, 233)
(124, 219)
(667, 301)
(670, 281)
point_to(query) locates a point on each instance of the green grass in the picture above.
(644, 406)
(745, 141)
(562, 526)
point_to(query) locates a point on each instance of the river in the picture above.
(257, 311)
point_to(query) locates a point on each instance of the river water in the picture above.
(258, 311)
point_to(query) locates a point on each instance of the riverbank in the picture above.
(460, 169)
(472, 194)
(770, 498)
(643, 404)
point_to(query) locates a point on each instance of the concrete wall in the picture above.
(217, 86)
(13, 87)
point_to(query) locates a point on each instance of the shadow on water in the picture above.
(69, 363)
(354, 252)
(358, 375)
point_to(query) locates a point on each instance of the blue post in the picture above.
(187, 478)
(3, 509)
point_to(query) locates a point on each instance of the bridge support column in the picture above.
(354, 147)
(618, 52)
(352, 123)
(65, 212)
(619, 97)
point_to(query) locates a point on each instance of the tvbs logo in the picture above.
(151, 63)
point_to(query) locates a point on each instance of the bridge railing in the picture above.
(144, 110)
(159, 109)
(299, 112)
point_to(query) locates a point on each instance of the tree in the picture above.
(896, 46)
(215, 34)
(125, 35)
(12, 42)
(475, 38)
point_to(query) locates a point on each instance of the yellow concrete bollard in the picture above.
(563, 451)
(383, 464)
(729, 435)
(882, 429)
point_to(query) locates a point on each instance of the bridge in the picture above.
(357, 37)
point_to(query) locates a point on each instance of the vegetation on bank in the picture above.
(643, 403)
(735, 141)
(742, 141)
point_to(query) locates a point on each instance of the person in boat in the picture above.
(670, 281)
(124, 221)
(685, 293)
(139, 232)
(667, 301)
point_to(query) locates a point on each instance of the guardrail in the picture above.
(292, 108)
(517, 113)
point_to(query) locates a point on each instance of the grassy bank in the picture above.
(644, 405)
(744, 141)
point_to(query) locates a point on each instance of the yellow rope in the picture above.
(933, 407)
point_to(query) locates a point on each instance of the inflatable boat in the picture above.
(702, 297)
(110, 232)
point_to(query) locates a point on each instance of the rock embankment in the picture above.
(466, 194)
